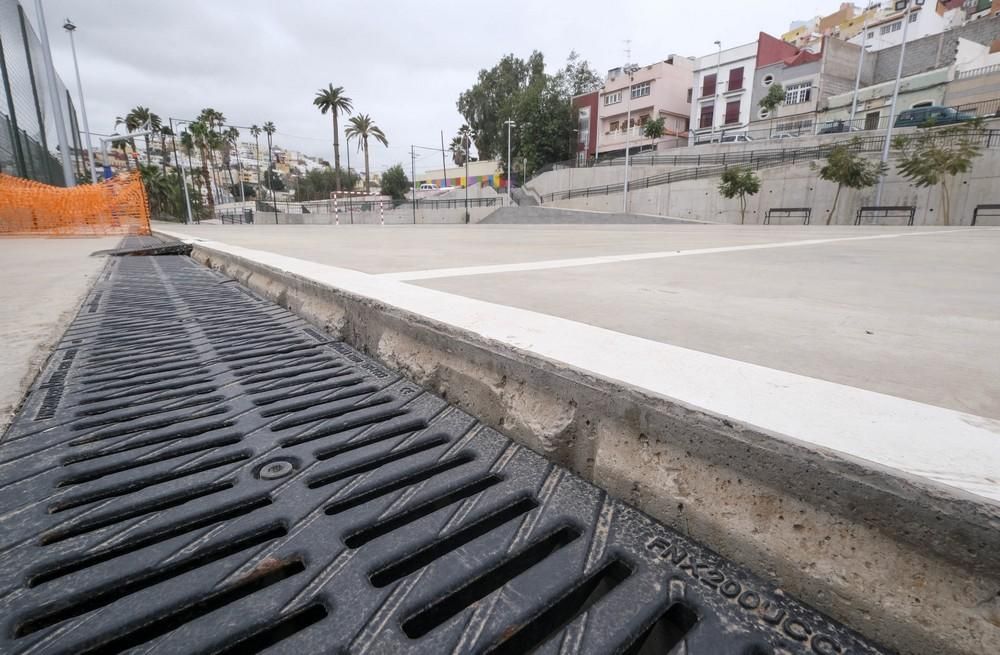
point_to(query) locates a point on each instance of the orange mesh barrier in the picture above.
(115, 206)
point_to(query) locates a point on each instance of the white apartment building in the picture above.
(721, 91)
(930, 18)
(659, 90)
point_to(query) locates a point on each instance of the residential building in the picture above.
(953, 67)
(809, 80)
(659, 90)
(931, 18)
(844, 23)
(723, 84)
(487, 172)
(585, 106)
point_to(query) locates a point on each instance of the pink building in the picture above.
(658, 90)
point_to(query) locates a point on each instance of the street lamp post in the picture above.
(57, 111)
(718, 69)
(187, 198)
(630, 69)
(510, 125)
(895, 94)
(857, 79)
(70, 27)
(350, 191)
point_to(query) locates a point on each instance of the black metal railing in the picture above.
(714, 164)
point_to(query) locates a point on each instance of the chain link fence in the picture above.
(28, 143)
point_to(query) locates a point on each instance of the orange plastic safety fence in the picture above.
(115, 206)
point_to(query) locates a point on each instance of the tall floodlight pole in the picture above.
(57, 112)
(350, 192)
(857, 79)
(510, 125)
(715, 94)
(630, 69)
(70, 27)
(413, 175)
(895, 94)
(465, 148)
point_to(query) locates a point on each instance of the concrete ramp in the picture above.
(552, 216)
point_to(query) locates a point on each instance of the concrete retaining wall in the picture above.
(913, 566)
(800, 186)
(401, 216)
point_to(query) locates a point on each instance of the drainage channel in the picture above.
(198, 470)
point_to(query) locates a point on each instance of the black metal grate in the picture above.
(197, 470)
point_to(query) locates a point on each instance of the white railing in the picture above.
(977, 72)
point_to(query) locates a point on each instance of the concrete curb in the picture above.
(907, 562)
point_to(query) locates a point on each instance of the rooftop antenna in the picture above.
(628, 51)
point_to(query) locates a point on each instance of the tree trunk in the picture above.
(743, 209)
(336, 151)
(163, 151)
(207, 176)
(368, 184)
(833, 209)
(148, 151)
(945, 203)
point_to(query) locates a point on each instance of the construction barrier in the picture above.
(115, 206)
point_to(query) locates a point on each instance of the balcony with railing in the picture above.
(978, 72)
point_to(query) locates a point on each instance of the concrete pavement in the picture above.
(44, 282)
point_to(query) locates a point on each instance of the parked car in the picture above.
(428, 187)
(836, 127)
(735, 138)
(931, 116)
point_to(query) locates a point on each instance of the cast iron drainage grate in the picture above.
(197, 470)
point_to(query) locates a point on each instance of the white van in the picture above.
(428, 187)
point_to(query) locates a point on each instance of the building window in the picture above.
(872, 121)
(707, 112)
(891, 27)
(613, 98)
(768, 80)
(614, 126)
(926, 103)
(763, 113)
(641, 90)
(735, 79)
(913, 17)
(732, 112)
(689, 95)
(643, 119)
(871, 35)
(798, 93)
(708, 86)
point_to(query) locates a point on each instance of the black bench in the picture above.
(886, 212)
(986, 211)
(788, 212)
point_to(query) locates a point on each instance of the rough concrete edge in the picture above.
(956, 530)
(40, 356)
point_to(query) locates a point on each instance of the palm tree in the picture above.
(202, 139)
(255, 132)
(269, 129)
(362, 126)
(333, 100)
(164, 133)
(213, 119)
(136, 119)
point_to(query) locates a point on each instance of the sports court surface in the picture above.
(910, 312)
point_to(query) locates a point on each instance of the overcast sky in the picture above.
(404, 63)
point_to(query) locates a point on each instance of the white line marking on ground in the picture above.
(614, 259)
(952, 448)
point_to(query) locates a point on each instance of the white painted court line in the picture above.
(951, 448)
(614, 259)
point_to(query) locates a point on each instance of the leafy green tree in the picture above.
(157, 187)
(653, 130)
(164, 132)
(272, 180)
(847, 168)
(494, 98)
(248, 190)
(318, 183)
(546, 121)
(775, 96)
(362, 127)
(932, 157)
(255, 133)
(334, 100)
(395, 183)
(577, 77)
(739, 182)
(203, 139)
